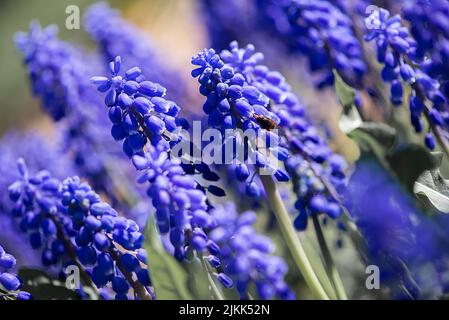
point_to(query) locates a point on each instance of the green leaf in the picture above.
(408, 162)
(345, 93)
(350, 118)
(199, 281)
(375, 138)
(405, 162)
(167, 275)
(371, 137)
(44, 287)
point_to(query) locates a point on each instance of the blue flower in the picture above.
(71, 225)
(149, 124)
(137, 109)
(399, 53)
(400, 238)
(320, 31)
(181, 208)
(234, 103)
(42, 154)
(59, 76)
(245, 256)
(307, 156)
(9, 283)
(59, 84)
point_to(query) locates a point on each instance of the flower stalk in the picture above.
(292, 239)
(329, 263)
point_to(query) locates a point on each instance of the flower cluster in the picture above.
(232, 103)
(320, 31)
(180, 205)
(398, 236)
(270, 155)
(430, 30)
(182, 209)
(311, 159)
(72, 225)
(246, 256)
(60, 75)
(398, 52)
(140, 114)
(137, 109)
(428, 26)
(9, 283)
(56, 76)
(41, 154)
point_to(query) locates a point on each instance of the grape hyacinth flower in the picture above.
(320, 31)
(72, 226)
(245, 256)
(397, 51)
(310, 159)
(232, 103)
(42, 154)
(60, 77)
(405, 243)
(10, 284)
(149, 124)
(181, 208)
(429, 28)
(137, 108)
(56, 69)
(58, 74)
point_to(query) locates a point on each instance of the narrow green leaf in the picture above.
(408, 162)
(345, 93)
(374, 139)
(198, 283)
(167, 275)
(350, 118)
(405, 162)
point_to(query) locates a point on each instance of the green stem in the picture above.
(440, 139)
(315, 260)
(328, 261)
(212, 283)
(291, 238)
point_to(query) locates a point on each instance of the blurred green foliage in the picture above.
(16, 104)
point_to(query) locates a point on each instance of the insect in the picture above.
(265, 122)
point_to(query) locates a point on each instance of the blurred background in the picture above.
(170, 25)
(177, 30)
